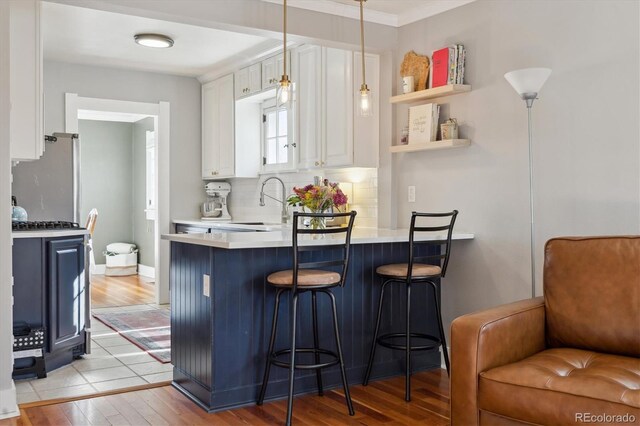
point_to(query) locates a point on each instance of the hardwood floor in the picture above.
(379, 403)
(109, 292)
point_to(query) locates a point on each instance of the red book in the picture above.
(440, 65)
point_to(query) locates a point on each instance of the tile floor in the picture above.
(114, 363)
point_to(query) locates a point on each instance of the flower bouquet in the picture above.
(318, 199)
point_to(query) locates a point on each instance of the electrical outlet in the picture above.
(206, 285)
(411, 194)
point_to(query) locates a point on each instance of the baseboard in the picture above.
(98, 269)
(9, 404)
(146, 271)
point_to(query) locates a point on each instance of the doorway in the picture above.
(130, 330)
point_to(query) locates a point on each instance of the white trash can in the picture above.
(122, 259)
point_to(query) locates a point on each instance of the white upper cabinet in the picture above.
(218, 128)
(272, 70)
(338, 108)
(329, 131)
(248, 81)
(309, 102)
(26, 92)
(229, 148)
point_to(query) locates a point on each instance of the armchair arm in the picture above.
(487, 339)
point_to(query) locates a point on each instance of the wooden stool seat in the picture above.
(400, 270)
(306, 278)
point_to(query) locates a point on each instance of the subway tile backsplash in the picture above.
(245, 194)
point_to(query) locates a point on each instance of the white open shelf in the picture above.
(446, 144)
(438, 92)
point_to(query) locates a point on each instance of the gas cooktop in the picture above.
(43, 225)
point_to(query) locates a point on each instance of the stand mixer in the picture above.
(215, 208)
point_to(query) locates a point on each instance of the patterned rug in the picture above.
(149, 330)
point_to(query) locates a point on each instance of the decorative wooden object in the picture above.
(417, 66)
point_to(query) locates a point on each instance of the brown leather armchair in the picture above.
(570, 357)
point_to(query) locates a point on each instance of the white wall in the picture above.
(181, 92)
(586, 138)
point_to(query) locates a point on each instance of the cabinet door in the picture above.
(66, 293)
(26, 89)
(309, 103)
(272, 70)
(366, 130)
(338, 80)
(242, 83)
(226, 127)
(269, 73)
(210, 124)
(255, 78)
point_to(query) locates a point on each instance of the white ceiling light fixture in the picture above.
(154, 40)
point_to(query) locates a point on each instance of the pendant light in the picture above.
(365, 106)
(284, 90)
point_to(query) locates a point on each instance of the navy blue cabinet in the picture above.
(51, 290)
(66, 288)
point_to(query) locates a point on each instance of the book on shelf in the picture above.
(448, 66)
(423, 123)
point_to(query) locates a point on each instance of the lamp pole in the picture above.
(529, 98)
(528, 82)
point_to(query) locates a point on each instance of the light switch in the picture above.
(206, 285)
(411, 194)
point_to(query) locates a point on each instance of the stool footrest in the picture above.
(384, 341)
(273, 358)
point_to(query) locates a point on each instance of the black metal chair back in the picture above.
(299, 230)
(443, 256)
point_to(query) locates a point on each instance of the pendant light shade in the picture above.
(365, 105)
(528, 81)
(284, 89)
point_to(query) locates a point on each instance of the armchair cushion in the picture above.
(592, 294)
(552, 386)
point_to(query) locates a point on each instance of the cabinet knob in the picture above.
(317, 163)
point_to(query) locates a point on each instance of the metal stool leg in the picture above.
(407, 354)
(374, 344)
(347, 395)
(316, 346)
(292, 367)
(443, 338)
(272, 340)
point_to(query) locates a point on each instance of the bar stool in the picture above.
(303, 279)
(409, 273)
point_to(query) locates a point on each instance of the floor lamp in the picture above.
(528, 82)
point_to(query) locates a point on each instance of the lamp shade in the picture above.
(528, 80)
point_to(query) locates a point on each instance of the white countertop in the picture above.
(214, 224)
(49, 233)
(282, 238)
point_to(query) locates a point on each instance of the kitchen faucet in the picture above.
(285, 214)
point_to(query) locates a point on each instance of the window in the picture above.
(275, 137)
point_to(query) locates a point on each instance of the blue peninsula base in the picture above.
(219, 341)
